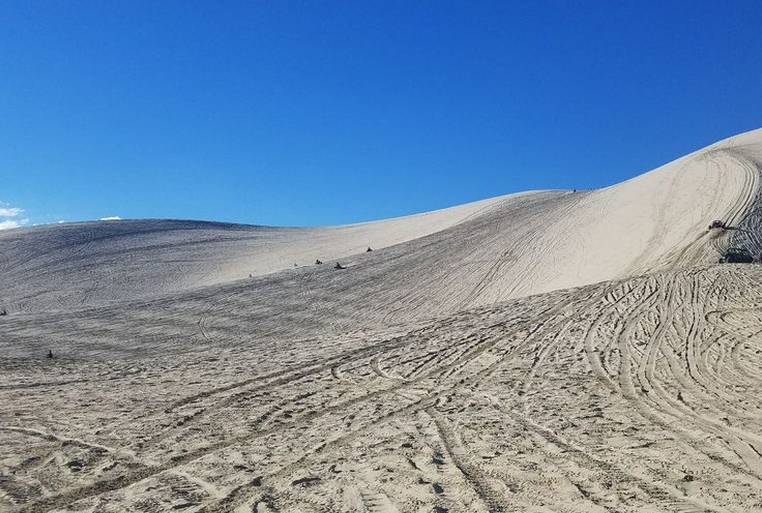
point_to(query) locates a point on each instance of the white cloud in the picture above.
(110, 218)
(9, 217)
(11, 223)
(10, 211)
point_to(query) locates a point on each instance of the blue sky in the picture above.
(304, 113)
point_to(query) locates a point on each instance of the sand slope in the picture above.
(553, 351)
(80, 264)
(639, 395)
(501, 248)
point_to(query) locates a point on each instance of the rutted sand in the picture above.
(552, 351)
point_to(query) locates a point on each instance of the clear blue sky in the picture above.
(322, 112)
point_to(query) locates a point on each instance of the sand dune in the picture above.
(549, 351)
(82, 264)
(505, 247)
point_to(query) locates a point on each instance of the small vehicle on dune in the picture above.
(718, 224)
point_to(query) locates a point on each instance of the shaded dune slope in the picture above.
(84, 264)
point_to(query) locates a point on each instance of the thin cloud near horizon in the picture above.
(11, 223)
(9, 217)
(10, 211)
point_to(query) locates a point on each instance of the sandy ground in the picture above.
(553, 351)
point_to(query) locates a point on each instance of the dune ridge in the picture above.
(535, 242)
